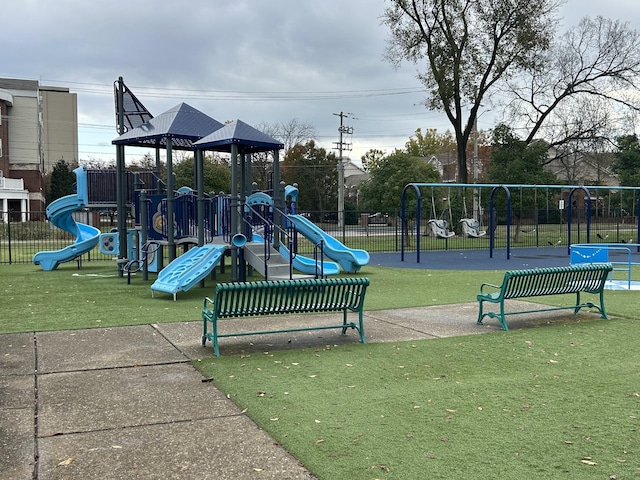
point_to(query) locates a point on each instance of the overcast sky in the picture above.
(261, 61)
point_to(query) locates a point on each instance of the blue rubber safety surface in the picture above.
(520, 258)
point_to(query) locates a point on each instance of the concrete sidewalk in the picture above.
(126, 403)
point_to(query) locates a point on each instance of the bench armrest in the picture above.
(207, 304)
(497, 287)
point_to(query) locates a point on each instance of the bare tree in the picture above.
(589, 76)
(291, 133)
(467, 47)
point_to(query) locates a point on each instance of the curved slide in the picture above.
(308, 265)
(59, 213)
(349, 259)
(188, 269)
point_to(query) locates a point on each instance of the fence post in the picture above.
(9, 236)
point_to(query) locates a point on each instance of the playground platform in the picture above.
(126, 402)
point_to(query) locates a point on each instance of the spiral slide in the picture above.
(59, 213)
(349, 259)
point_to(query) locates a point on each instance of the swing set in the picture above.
(541, 208)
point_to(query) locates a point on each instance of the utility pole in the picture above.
(342, 146)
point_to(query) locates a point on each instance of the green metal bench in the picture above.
(537, 282)
(253, 299)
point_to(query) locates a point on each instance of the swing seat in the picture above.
(471, 228)
(439, 229)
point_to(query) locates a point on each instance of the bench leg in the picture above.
(603, 313)
(214, 340)
(502, 318)
(577, 308)
(480, 314)
(204, 330)
(361, 329)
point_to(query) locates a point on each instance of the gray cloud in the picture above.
(257, 60)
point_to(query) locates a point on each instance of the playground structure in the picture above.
(255, 229)
(501, 216)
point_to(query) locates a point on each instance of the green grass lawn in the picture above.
(554, 402)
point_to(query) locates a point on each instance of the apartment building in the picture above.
(38, 127)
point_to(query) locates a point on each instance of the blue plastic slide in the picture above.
(308, 265)
(59, 214)
(349, 259)
(304, 264)
(188, 269)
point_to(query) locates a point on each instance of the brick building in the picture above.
(38, 127)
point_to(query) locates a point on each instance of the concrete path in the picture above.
(126, 403)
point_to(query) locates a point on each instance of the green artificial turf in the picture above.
(553, 402)
(545, 403)
(94, 296)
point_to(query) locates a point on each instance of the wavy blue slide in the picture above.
(349, 259)
(59, 214)
(188, 269)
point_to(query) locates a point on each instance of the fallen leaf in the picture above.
(66, 462)
(319, 441)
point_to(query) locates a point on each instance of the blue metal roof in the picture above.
(247, 138)
(183, 124)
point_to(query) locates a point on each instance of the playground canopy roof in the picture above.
(182, 123)
(247, 138)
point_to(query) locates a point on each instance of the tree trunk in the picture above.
(462, 163)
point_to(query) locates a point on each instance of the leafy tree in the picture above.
(388, 177)
(315, 173)
(515, 161)
(372, 159)
(61, 181)
(467, 48)
(430, 143)
(627, 163)
(216, 172)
